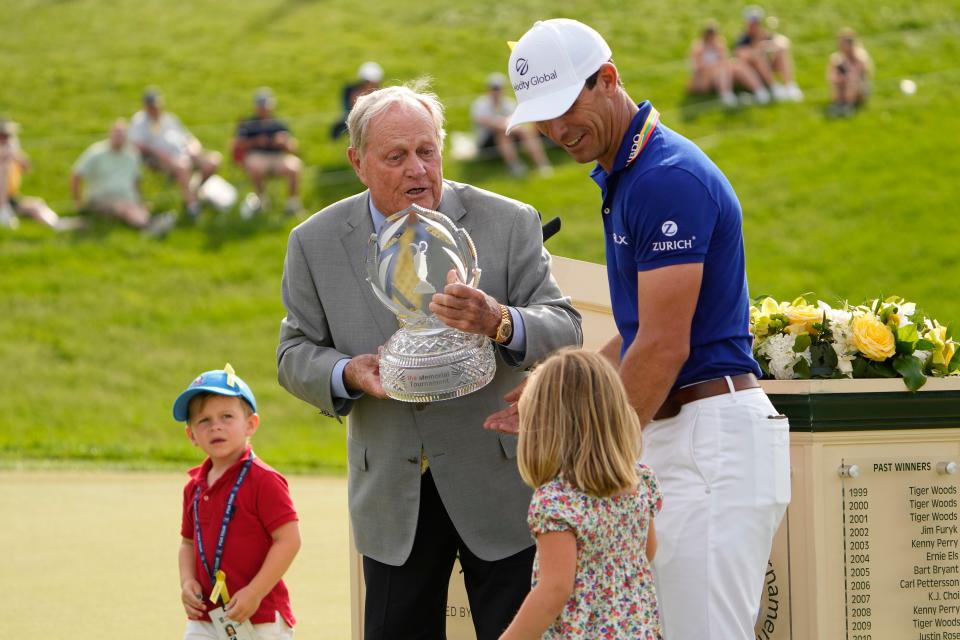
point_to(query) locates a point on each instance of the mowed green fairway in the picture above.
(100, 330)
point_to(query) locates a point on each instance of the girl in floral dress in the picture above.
(593, 508)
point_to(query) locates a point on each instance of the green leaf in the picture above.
(802, 343)
(764, 363)
(802, 369)
(908, 333)
(924, 345)
(904, 348)
(860, 367)
(824, 361)
(866, 368)
(912, 371)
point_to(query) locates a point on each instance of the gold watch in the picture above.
(505, 328)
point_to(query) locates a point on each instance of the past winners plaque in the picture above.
(901, 547)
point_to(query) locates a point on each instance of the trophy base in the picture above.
(434, 363)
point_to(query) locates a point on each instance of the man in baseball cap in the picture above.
(549, 66)
(675, 262)
(265, 147)
(369, 77)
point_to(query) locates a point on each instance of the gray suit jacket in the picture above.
(332, 313)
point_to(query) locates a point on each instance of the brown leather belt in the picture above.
(700, 390)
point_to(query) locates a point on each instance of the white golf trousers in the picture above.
(724, 467)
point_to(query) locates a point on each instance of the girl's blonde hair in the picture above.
(575, 421)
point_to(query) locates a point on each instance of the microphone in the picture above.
(550, 228)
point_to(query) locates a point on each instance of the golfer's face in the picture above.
(584, 130)
(401, 162)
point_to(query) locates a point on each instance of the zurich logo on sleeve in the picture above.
(670, 229)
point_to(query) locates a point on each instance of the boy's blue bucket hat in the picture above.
(223, 382)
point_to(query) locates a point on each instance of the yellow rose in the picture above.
(873, 338)
(802, 318)
(943, 350)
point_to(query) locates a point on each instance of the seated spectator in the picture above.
(264, 147)
(111, 170)
(490, 114)
(168, 146)
(714, 71)
(369, 77)
(768, 54)
(13, 164)
(849, 72)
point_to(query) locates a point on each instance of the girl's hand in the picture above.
(192, 598)
(507, 420)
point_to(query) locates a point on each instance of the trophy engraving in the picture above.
(407, 262)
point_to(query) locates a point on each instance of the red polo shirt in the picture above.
(262, 505)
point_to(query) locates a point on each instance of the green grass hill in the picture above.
(100, 329)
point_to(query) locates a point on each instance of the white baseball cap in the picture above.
(370, 71)
(549, 65)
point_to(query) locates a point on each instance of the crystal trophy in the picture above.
(407, 262)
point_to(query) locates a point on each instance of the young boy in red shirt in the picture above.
(238, 554)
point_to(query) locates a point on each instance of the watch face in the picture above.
(505, 330)
(408, 260)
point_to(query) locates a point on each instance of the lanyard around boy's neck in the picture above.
(216, 576)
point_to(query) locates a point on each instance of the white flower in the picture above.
(922, 355)
(842, 336)
(779, 348)
(845, 364)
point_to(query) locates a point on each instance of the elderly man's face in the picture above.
(401, 162)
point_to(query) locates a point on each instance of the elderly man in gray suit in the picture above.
(426, 481)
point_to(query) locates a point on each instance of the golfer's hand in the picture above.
(243, 604)
(362, 373)
(192, 598)
(466, 308)
(507, 420)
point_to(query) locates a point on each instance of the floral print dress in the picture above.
(613, 595)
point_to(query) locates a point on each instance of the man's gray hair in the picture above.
(373, 104)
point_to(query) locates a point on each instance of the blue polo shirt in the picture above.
(672, 205)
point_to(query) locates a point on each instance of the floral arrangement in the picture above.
(881, 339)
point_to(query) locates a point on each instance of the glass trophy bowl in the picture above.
(407, 262)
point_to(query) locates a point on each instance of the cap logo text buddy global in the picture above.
(535, 80)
